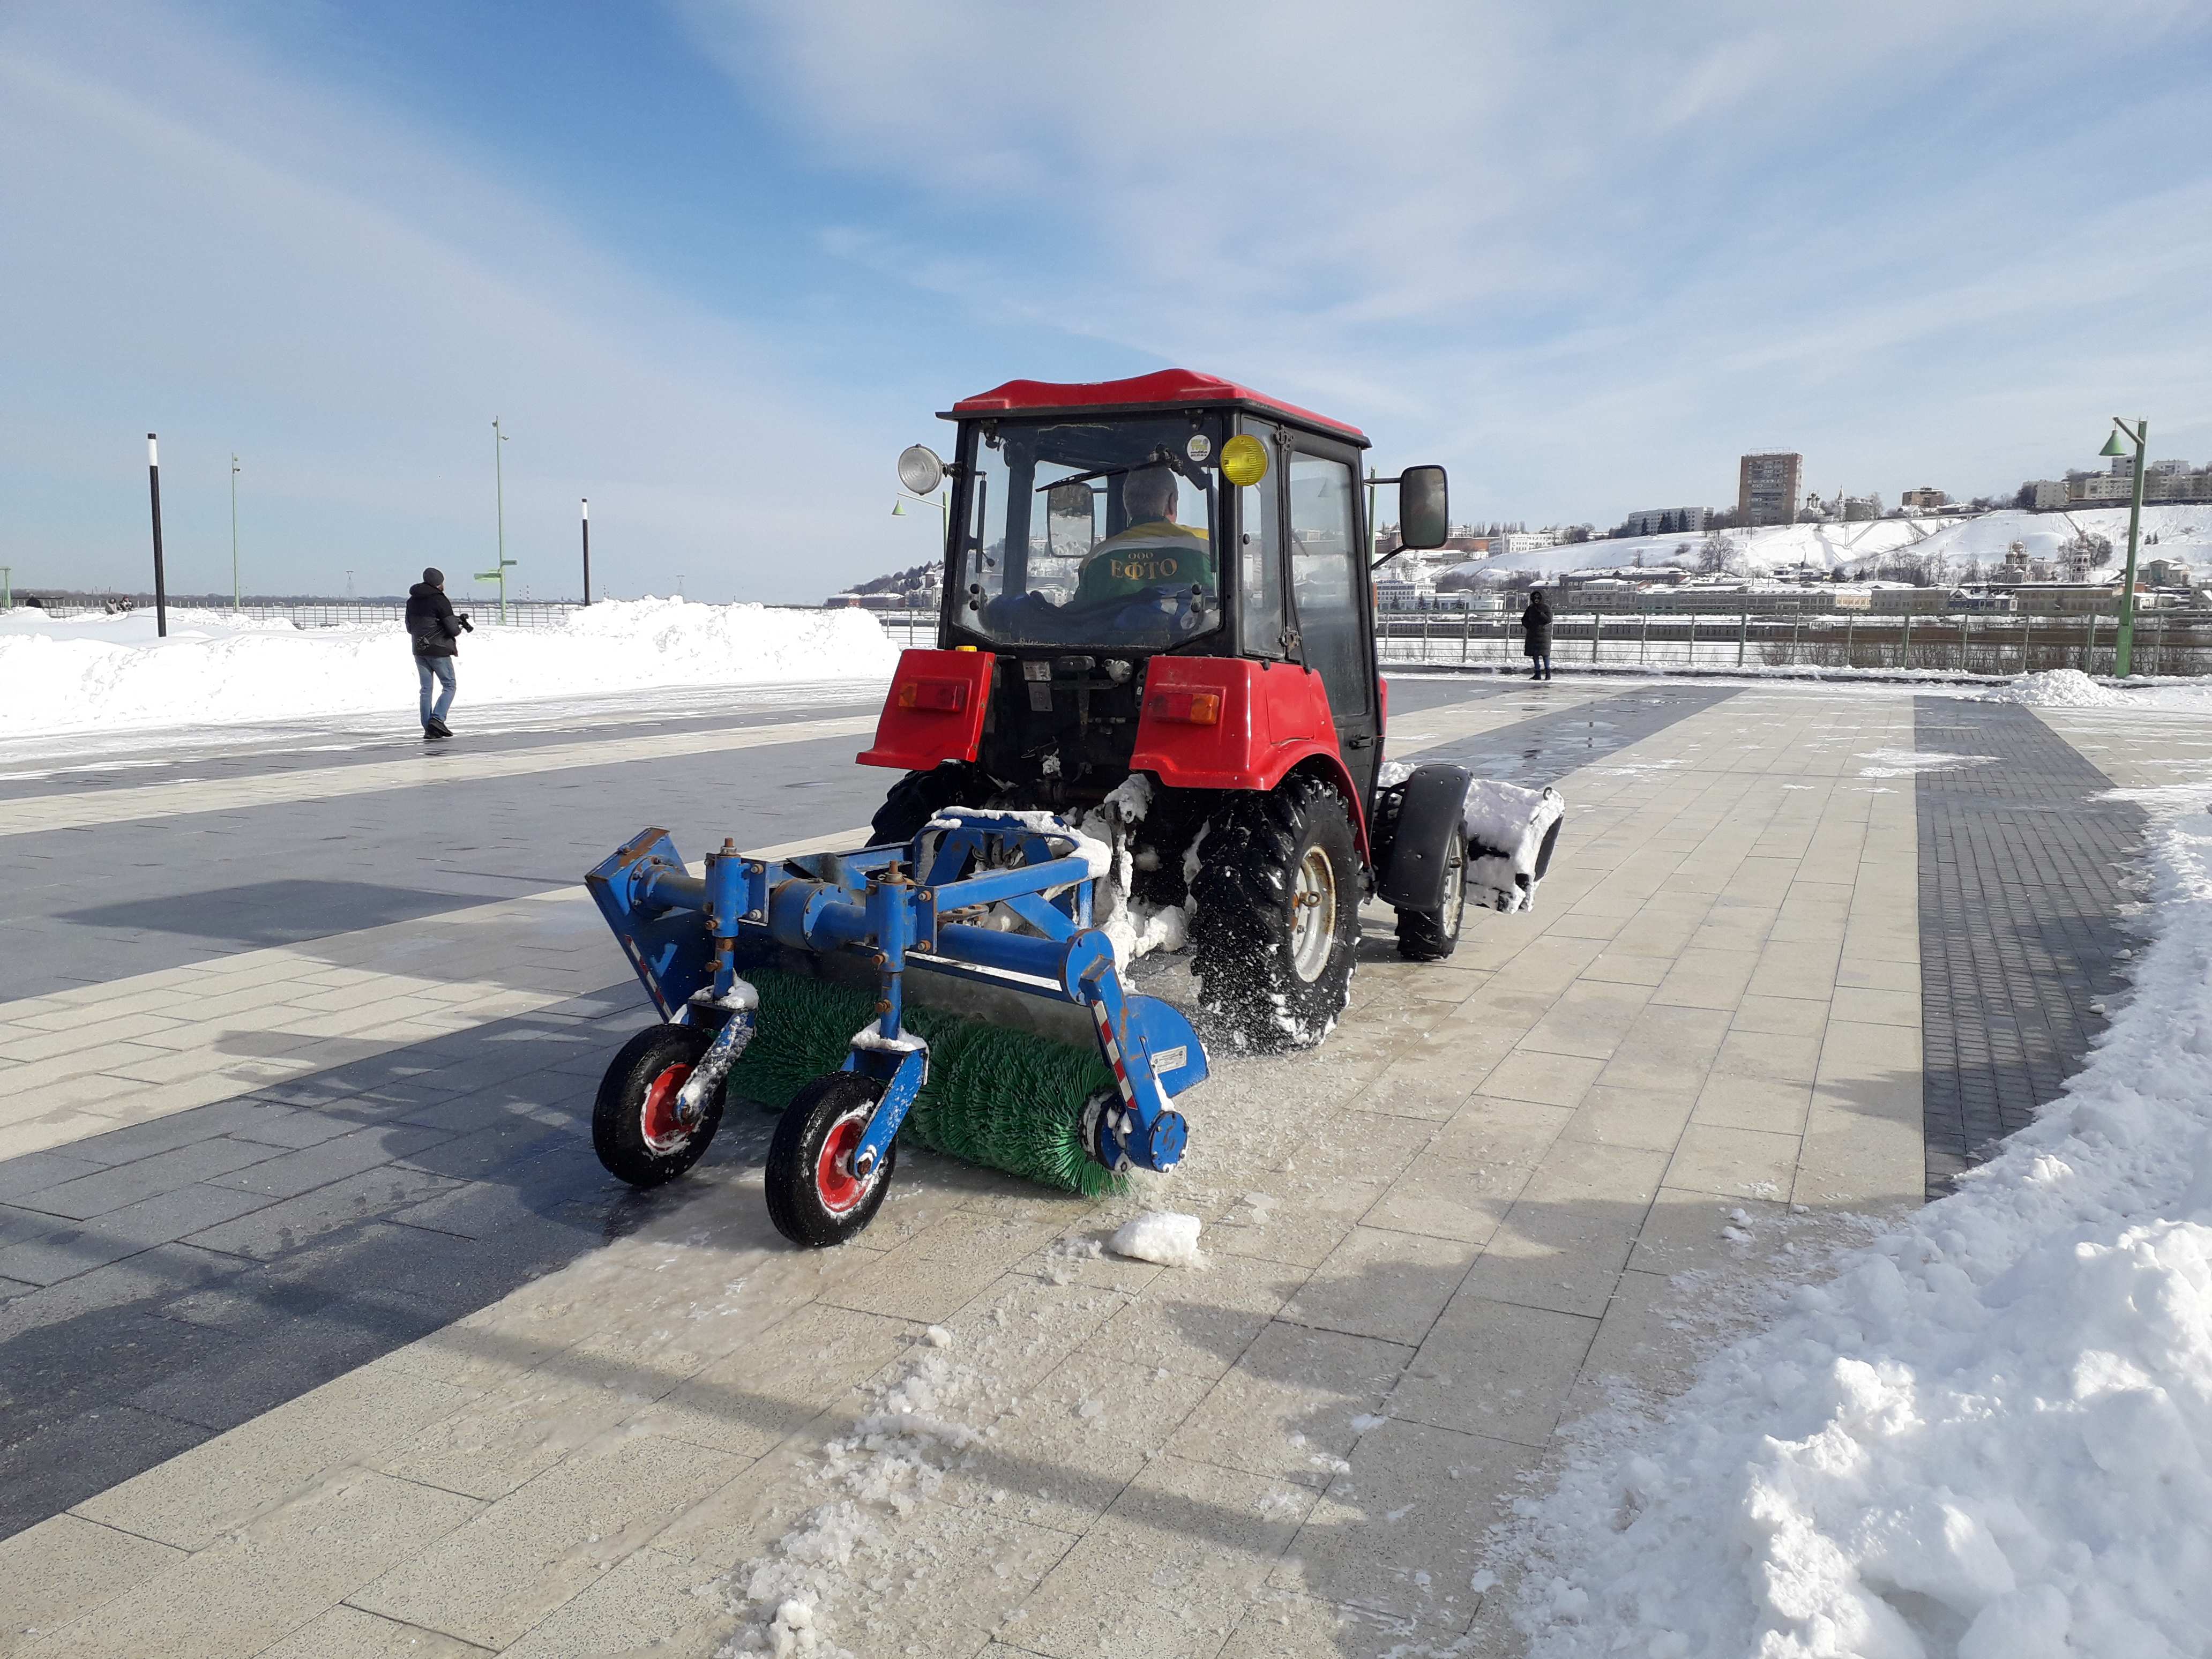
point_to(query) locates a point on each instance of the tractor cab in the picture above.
(1095, 528)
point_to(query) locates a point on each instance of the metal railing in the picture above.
(2177, 643)
(352, 613)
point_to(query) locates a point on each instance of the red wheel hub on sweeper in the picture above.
(663, 1131)
(841, 1190)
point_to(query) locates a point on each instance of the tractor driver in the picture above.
(1153, 552)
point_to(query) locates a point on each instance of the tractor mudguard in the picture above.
(933, 711)
(1432, 809)
(1225, 723)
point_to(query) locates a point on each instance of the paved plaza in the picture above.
(322, 1332)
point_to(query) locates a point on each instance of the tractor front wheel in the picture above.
(815, 1198)
(635, 1128)
(1432, 935)
(1278, 891)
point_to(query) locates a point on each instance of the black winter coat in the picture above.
(431, 623)
(1536, 621)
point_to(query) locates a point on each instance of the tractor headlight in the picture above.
(920, 471)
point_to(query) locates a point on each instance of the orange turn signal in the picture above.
(944, 697)
(1192, 708)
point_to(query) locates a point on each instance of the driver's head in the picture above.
(1149, 495)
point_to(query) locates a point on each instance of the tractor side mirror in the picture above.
(1424, 508)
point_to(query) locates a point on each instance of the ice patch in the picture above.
(1164, 1235)
(1908, 762)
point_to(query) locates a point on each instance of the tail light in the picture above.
(941, 696)
(1191, 708)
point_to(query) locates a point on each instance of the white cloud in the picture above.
(1592, 250)
(214, 247)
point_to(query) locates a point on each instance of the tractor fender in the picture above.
(1431, 809)
(1227, 723)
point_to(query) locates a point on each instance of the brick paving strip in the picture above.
(81, 808)
(2020, 897)
(1481, 1186)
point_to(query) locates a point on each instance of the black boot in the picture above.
(437, 729)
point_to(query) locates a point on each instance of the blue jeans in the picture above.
(442, 669)
(1540, 666)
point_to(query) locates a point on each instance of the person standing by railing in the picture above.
(436, 632)
(1536, 634)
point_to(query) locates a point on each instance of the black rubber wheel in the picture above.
(813, 1198)
(1432, 935)
(921, 796)
(1278, 891)
(633, 1126)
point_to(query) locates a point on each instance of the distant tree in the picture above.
(1719, 555)
(1576, 534)
(1639, 561)
(2098, 548)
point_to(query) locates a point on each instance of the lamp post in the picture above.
(584, 506)
(944, 511)
(160, 577)
(2123, 654)
(498, 573)
(233, 535)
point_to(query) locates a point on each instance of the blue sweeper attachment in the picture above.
(983, 911)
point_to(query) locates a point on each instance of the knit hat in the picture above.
(435, 576)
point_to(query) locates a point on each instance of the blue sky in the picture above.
(713, 264)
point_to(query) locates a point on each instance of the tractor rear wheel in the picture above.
(635, 1128)
(814, 1198)
(1278, 923)
(921, 796)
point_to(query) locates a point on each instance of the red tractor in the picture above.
(1168, 576)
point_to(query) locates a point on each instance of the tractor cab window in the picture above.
(1325, 570)
(1259, 555)
(1100, 533)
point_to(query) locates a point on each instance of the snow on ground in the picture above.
(109, 673)
(2184, 533)
(2060, 687)
(1990, 1434)
(1166, 1236)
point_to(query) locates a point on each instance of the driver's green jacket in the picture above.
(1156, 554)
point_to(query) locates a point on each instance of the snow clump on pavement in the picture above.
(106, 674)
(1989, 1436)
(1164, 1235)
(2059, 688)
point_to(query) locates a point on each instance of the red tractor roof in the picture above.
(1174, 388)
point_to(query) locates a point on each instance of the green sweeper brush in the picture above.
(863, 992)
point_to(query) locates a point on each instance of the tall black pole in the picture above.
(160, 581)
(587, 505)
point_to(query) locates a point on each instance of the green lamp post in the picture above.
(2138, 436)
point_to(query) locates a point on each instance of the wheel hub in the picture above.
(1313, 914)
(662, 1130)
(839, 1187)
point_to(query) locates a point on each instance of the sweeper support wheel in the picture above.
(635, 1128)
(814, 1196)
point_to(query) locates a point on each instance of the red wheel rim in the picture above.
(839, 1189)
(657, 1121)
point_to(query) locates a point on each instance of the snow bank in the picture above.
(1991, 1434)
(1163, 1236)
(2059, 688)
(107, 674)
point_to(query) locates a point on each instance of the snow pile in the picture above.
(2058, 688)
(1990, 1435)
(62, 677)
(1910, 763)
(1507, 829)
(1164, 1235)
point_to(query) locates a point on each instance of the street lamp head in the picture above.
(2113, 446)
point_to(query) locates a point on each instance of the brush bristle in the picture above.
(1006, 1099)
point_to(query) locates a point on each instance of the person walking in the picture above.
(1536, 635)
(436, 633)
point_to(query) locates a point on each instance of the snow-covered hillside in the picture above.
(2183, 533)
(105, 673)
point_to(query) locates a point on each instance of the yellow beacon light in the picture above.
(1244, 460)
